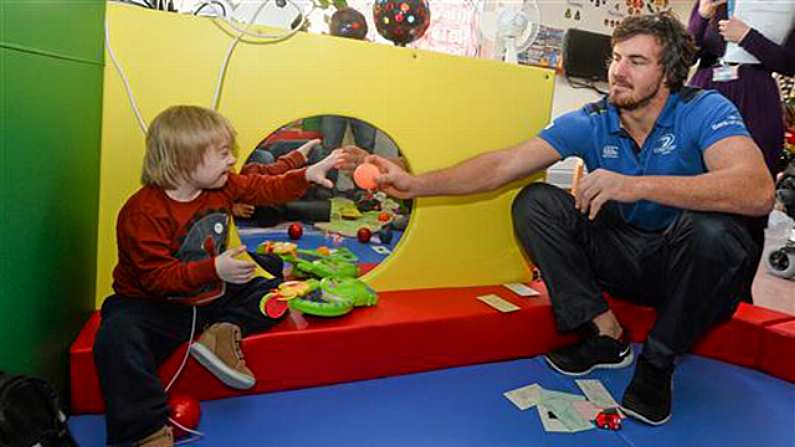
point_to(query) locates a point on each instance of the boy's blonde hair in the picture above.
(177, 141)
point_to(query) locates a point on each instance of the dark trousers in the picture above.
(136, 335)
(694, 272)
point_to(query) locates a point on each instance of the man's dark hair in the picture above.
(678, 47)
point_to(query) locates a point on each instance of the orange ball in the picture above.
(364, 175)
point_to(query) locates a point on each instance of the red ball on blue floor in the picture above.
(186, 410)
(295, 231)
(364, 234)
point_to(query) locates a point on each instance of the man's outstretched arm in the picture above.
(482, 173)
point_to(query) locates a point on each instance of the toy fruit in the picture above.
(275, 307)
(295, 231)
(350, 212)
(364, 234)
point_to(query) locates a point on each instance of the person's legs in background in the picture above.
(363, 134)
(261, 156)
(333, 128)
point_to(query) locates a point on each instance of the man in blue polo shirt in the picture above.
(660, 218)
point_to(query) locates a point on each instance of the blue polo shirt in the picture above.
(691, 121)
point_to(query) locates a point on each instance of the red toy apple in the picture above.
(186, 411)
(295, 231)
(364, 234)
(275, 308)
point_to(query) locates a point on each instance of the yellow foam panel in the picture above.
(439, 109)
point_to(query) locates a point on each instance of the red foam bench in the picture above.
(408, 331)
(738, 340)
(418, 330)
(777, 355)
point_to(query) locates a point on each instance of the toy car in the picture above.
(608, 419)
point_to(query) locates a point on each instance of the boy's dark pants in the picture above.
(136, 335)
(694, 272)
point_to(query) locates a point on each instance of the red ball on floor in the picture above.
(295, 231)
(364, 234)
(186, 410)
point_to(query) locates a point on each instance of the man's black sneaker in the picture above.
(648, 396)
(599, 351)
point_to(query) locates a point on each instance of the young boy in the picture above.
(175, 271)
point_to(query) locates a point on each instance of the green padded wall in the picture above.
(51, 65)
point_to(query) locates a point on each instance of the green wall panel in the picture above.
(71, 28)
(50, 127)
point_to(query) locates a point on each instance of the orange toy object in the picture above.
(364, 175)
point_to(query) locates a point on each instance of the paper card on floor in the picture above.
(565, 412)
(596, 392)
(550, 394)
(498, 303)
(380, 249)
(550, 424)
(586, 409)
(521, 289)
(524, 397)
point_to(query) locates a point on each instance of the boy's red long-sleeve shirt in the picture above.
(167, 248)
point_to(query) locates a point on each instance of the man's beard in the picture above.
(629, 104)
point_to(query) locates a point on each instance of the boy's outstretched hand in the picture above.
(393, 180)
(234, 270)
(317, 172)
(307, 147)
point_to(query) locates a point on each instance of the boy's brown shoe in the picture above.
(218, 350)
(161, 438)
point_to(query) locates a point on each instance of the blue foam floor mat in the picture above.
(313, 238)
(715, 404)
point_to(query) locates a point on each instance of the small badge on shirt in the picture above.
(725, 73)
(610, 152)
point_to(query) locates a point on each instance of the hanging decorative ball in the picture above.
(401, 21)
(348, 22)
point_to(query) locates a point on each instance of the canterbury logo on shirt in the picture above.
(731, 120)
